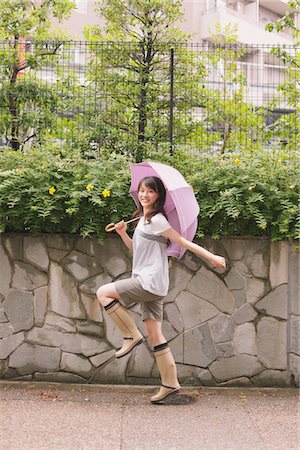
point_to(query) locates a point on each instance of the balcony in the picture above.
(250, 30)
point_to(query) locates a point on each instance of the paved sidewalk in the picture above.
(39, 416)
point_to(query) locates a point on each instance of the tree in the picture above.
(233, 122)
(132, 69)
(24, 29)
(290, 89)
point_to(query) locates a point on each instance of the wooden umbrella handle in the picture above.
(112, 226)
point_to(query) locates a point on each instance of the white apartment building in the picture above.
(263, 71)
(201, 16)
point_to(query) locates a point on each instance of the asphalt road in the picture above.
(40, 416)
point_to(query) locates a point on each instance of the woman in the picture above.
(149, 283)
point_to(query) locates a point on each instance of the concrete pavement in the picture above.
(39, 416)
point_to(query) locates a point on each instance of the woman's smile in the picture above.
(147, 197)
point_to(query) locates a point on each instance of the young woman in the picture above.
(149, 283)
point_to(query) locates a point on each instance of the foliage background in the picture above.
(239, 194)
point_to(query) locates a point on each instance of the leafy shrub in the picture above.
(239, 194)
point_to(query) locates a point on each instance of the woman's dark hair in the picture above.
(156, 184)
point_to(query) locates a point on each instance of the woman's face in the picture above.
(147, 196)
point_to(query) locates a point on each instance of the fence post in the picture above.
(171, 126)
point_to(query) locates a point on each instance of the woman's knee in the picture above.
(105, 293)
(154, 332)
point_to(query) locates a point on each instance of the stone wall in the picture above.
(238, 328)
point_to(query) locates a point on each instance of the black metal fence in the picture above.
(125, 97)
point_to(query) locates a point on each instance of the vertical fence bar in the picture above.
(171, 124)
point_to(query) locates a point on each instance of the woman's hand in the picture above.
(218, 261)
(121, 227)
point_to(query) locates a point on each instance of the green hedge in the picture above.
(238, 194)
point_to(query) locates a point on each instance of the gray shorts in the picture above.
(131, 291)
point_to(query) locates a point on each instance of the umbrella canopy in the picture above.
(180, 206)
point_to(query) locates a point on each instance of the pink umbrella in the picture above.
(180, 206)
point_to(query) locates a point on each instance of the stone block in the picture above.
(168, 331)
(256, 289)
(92, 307)
(35, 252)
(235, 248)
(59, 377)
(113, 372)
(272, 378)
(5, 272)
(141, 363)
(60, 241)
(176, 346)
(40, 304)
(244, 314)
(112, 259)
(222, 328)
(18, 307)
(32, 358)
(91, 285)
(225, 350)
(75, 364)
(173, 316)
(191, 261)
(275, 303)
(199, 348)
(235, 367)
(234, 280)
(5, 330)
(3, 368)
(237, 382)
(14, 246)
(85, 327)
(244, 339)
(242, 269)
(209, 287)
(81, 266)
(63, 294)
(294, 280)
(3, 317)
(257, 257)
(70, 343)
(279, 263)
(179, 278)
(272, 343)
(295, 368)
(27, 277)
(57, 255)
(187, 375)
(204, 377)
(10, 343)
(100, 359)
(85, 245)
(295, 335)
(194, 310)
(56, 322)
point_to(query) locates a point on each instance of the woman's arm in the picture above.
(121, 228)
(218, 261)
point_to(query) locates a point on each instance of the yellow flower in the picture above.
(279, 161)
(90, 187)
(237, 161)
(292, 186)
(52, 190)
(106, 193)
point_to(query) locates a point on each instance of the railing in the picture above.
(120, 96)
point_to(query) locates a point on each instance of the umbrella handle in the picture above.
(112, 226)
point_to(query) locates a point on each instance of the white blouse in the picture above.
(150, 260)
